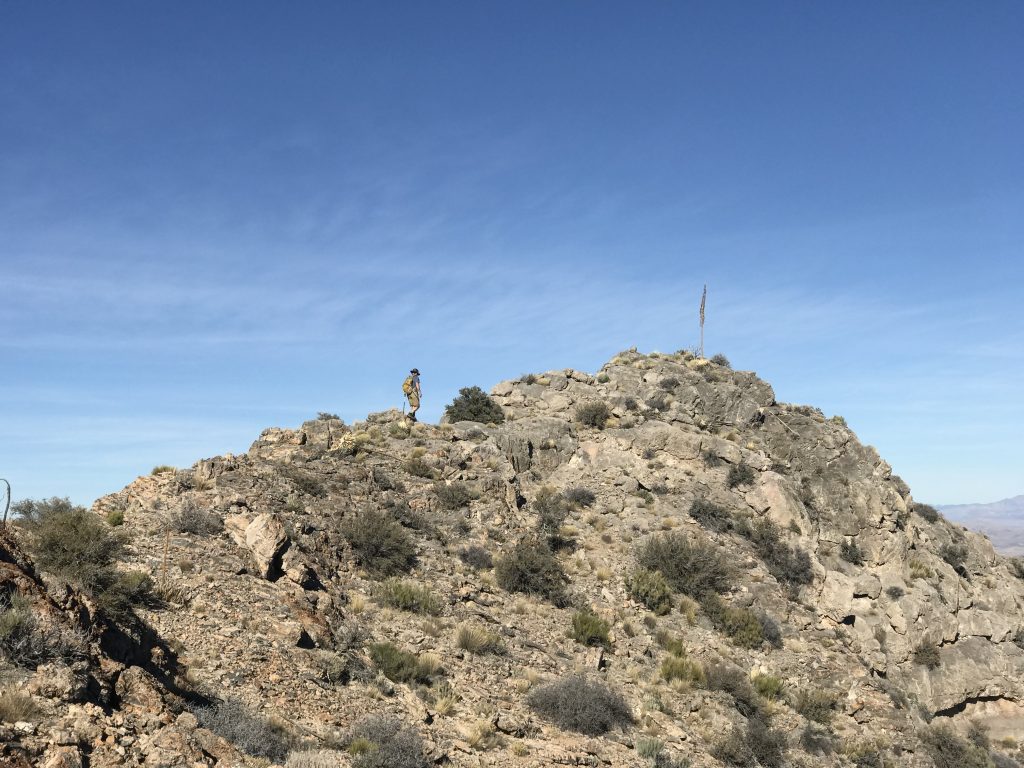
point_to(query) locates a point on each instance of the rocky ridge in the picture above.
(278, 613)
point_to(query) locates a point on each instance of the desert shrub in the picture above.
(26, 642)
(408, 596)
(381, 741)
(769, 687)
(124, 591)
(379, 544)
(1017, 567)
(115, 517)
(162, 469)
(817, 740)
(788, 564)
(948, 749)
(528, 378)
(753, 745)
(681, 668)
(249, 732)
(1018, 638)
(473, 404)
(530, 567)
(692, 566)
(741, 625)
(453, 495)
(630, 404)
(651, 589)
(770, 629)
(895, 592)
(304, 482)
(325, 416)
(478, 640)
(739, 474)
(732, 680)
(580, 497)
(603, 378)
(927, 511)
(721, 360)
(669, 383)
(190, 518)
(71, 543)
(927, 655)
(16, 706)
(670, 642)
(814, 704)
(850, 552)
(657, 402)
(400, 666)
(551, 508)
(710, 515)
(590, 629)
(476, 557)
(314, 758)
(593, 414)
(577, 703)
(710, 459)
(417, 467)
(954, 554)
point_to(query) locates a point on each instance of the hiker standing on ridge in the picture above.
(411, 388)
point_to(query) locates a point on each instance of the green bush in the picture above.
(124, 591)
(710, 515)
(397, 665)
(407, 596)
(551, 508)
(580, 704)
(769, 687)
(478, 640)
(115, 517)
(71, 543)
(927, 655)
(532, 568)
(651, 589)
(927, 511)
(593, 414)
(948, 749)
(453, 495)
(692, 566)
(382, 741)
(473, 404)
(590, 629)
(250, 733)
(851, 553)
(739, 474)
(417, 467)
(814, 704)
(741, 625)
(379, 544)
(681, 668)
(162, 469)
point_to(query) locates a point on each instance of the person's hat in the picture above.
(416, 371)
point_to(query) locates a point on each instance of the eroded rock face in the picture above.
(280, 610)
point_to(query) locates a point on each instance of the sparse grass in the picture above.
(478, 640)
(16, 706)
(769, 687)
(382, 741)
(530, 567)
(918, 570)
(162, 469)
(249, 732)
(453, 495)
(400, 666)
(593, 414)
(577, 703)
(408, 596)
(473, 404)
(690, 565)
(651, 589)
(739, 474)
(927, 655)
(710, 515)
(378, 542)
(590, 629)
(675, 668)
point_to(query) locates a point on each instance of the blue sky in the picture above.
(219, 217)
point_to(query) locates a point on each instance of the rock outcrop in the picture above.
(852, 587)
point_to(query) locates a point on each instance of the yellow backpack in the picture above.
(407, 386)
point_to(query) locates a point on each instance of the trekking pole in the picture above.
(7, 500)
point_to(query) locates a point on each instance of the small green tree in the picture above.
(473, 404)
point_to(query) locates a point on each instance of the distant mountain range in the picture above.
(1002, 521)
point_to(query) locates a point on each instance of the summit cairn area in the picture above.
(654, 565)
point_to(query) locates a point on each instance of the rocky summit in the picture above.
(654, 565)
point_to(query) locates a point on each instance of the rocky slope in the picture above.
(892, 618)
